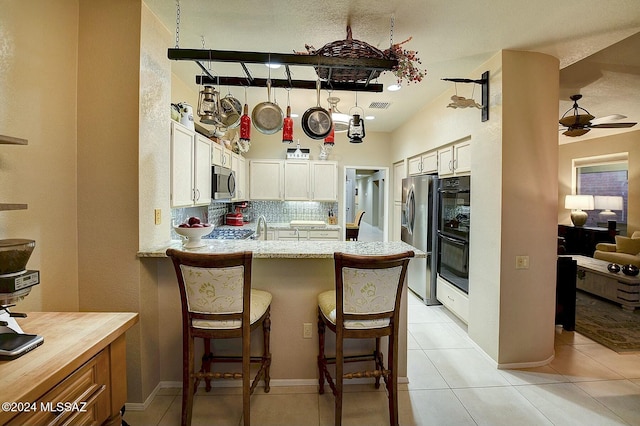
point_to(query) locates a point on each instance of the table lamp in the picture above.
(577, 204)
(607, 204)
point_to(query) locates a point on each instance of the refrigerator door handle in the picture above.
(410, 210)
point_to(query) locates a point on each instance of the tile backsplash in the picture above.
(286, 211)
(273, 211)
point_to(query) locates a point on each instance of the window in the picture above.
(606, 178)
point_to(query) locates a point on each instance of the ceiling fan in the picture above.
(578, 124)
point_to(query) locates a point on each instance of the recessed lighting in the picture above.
(370, 117)
(294, 115)
(273, 65)
(394, 88)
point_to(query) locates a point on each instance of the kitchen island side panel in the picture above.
(294, 285)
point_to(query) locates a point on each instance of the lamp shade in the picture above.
(579, 202)
(608, 202)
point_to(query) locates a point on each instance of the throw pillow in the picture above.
(627, 245)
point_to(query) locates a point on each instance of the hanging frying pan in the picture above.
(267, 116)
(316, 121)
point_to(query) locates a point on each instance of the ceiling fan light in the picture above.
(340, 122)
(573, 132)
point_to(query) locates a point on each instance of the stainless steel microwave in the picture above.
(223, 183)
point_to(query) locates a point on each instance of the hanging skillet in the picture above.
(267, 116)
(316, 121)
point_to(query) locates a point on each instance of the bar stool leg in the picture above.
(266, 331)
(321, 362)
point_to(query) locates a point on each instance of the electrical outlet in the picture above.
(522, 262)
(307, 330)
(157, 216)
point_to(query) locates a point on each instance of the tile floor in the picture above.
(369, 233)
(451, 383)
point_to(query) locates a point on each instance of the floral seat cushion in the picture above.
(219, 291)
(366, 291)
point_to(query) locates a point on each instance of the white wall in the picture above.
(513, 198)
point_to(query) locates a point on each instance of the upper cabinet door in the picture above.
(182, 151)
(202, 171)
(324, 178)
(296, 180)
(266, 178)
(216, 154)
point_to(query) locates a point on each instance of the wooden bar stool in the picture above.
(219, 303)
(365, 304)
(353, 228)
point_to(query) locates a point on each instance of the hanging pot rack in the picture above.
(202, 56)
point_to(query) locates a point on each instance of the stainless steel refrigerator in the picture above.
(419, 228)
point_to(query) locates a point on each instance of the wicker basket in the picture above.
(348, 48)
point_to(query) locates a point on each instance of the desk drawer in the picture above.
(82, 398)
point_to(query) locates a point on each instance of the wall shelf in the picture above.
(10, 140)
(7, 206)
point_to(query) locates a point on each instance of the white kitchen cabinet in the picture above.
(455, 160)
(398, 175)
(217, 151)
(266, 179)
(226, 158)
(190, 167)
(293, 180)
(238, 166)
(324, 181)
(297, 180)
(453, 299)
(324, 234)
(425, 163)
(396, 234)
(294, 234)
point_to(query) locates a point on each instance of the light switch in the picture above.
(522, 262)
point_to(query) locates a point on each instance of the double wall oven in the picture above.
(454, 218)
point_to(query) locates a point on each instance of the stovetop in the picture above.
(230, 234)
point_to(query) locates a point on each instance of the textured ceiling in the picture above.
(452, 38)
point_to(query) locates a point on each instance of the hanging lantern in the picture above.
(208, 105)
(331, 137)
(356, 129)
(287, 127)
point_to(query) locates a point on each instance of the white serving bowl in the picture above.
(193, 235)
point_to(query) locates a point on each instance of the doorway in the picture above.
(366, 189)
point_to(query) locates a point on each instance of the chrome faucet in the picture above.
(261, 220)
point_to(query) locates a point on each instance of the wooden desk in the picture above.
(82, 363)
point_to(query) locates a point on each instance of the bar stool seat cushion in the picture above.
(219, 293)
(370, 293)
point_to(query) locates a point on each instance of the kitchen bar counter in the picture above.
(290, 249)
(294, 272)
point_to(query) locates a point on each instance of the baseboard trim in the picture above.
(137, 406)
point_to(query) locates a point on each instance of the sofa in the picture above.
(625, 251)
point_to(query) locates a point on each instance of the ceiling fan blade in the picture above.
(572, 132)
(608, 118)
(612, 125)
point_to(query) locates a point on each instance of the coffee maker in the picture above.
(15, 284)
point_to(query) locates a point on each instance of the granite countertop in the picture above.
(289, 249)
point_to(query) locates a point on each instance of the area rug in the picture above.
(607, 323)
